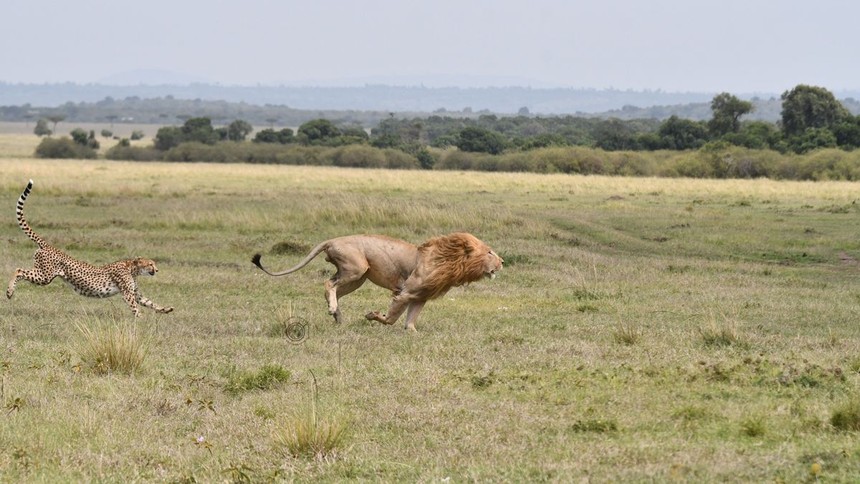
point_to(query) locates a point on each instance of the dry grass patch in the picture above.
(116, 348)
(312, 431)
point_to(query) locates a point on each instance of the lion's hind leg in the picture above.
(338, 287)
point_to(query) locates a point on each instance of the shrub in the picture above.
(42, 128)
(123, 151)
(358, 156)
(63, 148)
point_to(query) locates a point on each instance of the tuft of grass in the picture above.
(269, 376)
(290, 247)
(626, 334)
(754, 426)
(715, 335)
(846, 417)
(310, 432)
(690, 414)
(594, 425)
(116, 348)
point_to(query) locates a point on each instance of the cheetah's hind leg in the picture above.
(33, 275)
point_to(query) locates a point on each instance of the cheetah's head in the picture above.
(145, 267)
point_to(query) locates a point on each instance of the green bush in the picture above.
(123, 151)
(63, 148)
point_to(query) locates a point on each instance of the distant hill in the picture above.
(366, 105)
(501, 100)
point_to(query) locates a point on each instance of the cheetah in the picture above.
(85, 279)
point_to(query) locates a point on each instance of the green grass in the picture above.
(646, 329)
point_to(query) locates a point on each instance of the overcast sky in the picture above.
(739, 46)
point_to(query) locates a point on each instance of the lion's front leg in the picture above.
(399, 304)
(412, 314)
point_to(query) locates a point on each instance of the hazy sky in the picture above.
(740, 46)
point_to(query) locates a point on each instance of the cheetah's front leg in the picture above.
(131, 300)
(150, 304)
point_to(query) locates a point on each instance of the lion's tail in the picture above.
(22, 222)
(314, 252)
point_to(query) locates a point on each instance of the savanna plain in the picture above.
(642, 329)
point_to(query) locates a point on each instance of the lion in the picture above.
(414, 274)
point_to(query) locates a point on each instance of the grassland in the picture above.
(643, 329)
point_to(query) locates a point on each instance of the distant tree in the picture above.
(807, 107)
(167, 137)
(682, 134)
(523, 111)
(41, 128)
(480, 140)
(268, 135)
(200, 130)
(813, 138)
(272, 122)
(848, 133)
(137, 134)
(79, 136)
(92, 142)
(614, 134)
(318, 131)
(111, 118)
(238, 130)
(354, 135)
(425, 158)
(543, 141)
(727, 111)
(56, 118)
(386, 140)
(755, 135)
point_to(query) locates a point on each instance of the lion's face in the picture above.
(492, 264)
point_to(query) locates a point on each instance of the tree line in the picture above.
(811, 119)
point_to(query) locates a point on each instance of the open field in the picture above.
(642, 329)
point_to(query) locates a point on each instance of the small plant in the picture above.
(715, 335)
(266, 378)
(594, 425)
(691, 414)
(310, 433)
(626, 334)
(753, 426)
(846, 417)
(113, 349)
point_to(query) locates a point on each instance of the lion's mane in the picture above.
(450, 261)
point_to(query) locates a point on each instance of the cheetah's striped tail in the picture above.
(22, 222)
